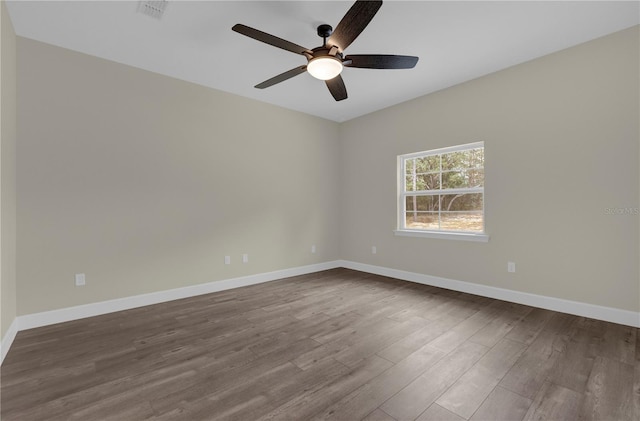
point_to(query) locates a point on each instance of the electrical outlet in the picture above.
(313, 248)
(245, 258)
(511, 267)
(227, 260)
(374, 250)
(80, 280)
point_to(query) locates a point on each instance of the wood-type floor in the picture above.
(334, 345)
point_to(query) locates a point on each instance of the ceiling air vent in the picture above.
(153, 8)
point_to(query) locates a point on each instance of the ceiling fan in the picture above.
(326, 62)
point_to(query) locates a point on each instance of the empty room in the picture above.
(320, 210)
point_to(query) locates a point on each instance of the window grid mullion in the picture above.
(435, 192)
(440, 198)
(415, 199)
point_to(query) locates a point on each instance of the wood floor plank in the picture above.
(335, 345)
(498, 327)
(554, 402)
(316, 379)
(374, 303)
(368, 397)
(118, 403)
(417, 309)
(502, 405)
(362, 325)
(469, 391)
(418, 395)
(636, 381)
(366, 332)
(278, 339)
(609, 392)
(573, 366)
(530, 372)
(458, 334)
(314, 400)
(530, 326)
(416, 340)
(619, 343)
(437, 413)
(249, 400)
(140, 411)
(378, 415)
(371, 344)
(445, 304)
(636, 392)
(227, 377)
(124, 385)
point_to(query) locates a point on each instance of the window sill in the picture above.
(463, 236)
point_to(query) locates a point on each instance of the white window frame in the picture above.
(402, 194)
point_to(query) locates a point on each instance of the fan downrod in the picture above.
(324, 32)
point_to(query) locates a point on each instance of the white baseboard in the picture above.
(609, 314)
(8, 338)
(30, 321)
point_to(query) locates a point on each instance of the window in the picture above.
(441, 193)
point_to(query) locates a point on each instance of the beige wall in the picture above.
(561, 140)
(145, 183)
(7, 172)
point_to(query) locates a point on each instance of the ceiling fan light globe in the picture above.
(324, 68)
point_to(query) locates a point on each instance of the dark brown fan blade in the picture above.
(270, 39)
(353, 23)
(337, 88)
(281, 77)
(380, 61)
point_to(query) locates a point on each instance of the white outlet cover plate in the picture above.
(80, 279)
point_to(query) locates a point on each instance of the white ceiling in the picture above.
(456, 42)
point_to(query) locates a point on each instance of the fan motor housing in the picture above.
(325, 51)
